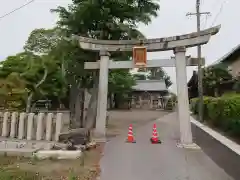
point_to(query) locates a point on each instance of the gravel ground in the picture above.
(119, 120)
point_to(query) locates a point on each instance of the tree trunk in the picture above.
(76, 107)
(110, 100)
(29, 100)
(82, 102)
(92, 110)
(92, 107)
(216, 92)
(72, 105)
(116, 101)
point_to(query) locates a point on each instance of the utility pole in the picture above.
(199, 53)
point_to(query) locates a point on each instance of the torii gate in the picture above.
(140, 48)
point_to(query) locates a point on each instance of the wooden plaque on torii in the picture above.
(140, 56)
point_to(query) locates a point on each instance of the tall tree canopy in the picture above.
(42, 76)
(213, 78)
(52, 59)
(158, 73)
(108, 20)
(154, 73)
(13, 92)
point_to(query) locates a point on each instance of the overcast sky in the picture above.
(172, 20)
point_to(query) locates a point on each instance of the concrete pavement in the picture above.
(143, 161)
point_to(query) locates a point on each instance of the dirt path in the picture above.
(120, 120)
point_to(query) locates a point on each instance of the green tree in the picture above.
(213, 78)
(13, 92)
(43, 41)
(66, 53)
(105, 20)
(41, 74)
(236, 86)
(167, 80)
(158, 73)
(120, 86)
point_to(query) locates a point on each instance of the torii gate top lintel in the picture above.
(152, 45)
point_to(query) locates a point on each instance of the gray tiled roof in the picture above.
(150, 85)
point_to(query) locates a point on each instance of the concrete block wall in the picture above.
(31, 126)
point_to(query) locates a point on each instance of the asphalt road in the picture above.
(145, 161)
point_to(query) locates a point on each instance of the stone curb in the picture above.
(43, 150)
(58, 154)
(220, 138)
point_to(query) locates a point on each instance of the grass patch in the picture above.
(18, 168)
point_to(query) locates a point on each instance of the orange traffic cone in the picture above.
(154, 139)
(130, 138)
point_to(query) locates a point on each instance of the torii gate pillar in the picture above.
(102, 97)
(176, 43)
(182, 95)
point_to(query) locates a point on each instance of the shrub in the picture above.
(169, 105)
(222, 112)
(224, 107)
(194, 105)
(230, 94)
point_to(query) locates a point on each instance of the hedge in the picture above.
(221, 112)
